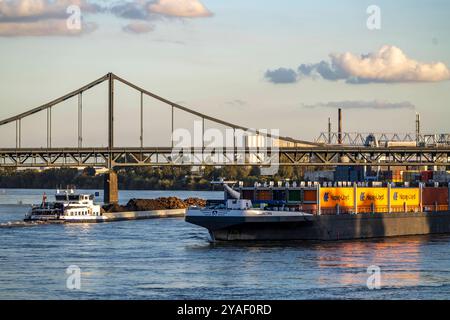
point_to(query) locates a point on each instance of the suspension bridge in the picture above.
(279, 151)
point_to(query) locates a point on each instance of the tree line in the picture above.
(141, 178)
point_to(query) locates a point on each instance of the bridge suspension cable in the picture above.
(110, 77)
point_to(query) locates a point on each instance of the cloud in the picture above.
(150, 10)
(359, 104)
(43, 28)
(281, 75)
(137, 10)
(180, 8)
(138, 27)
(387, 65)
(42, 17)
(48, 17)
(322, 69)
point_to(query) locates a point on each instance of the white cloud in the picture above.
(389, 64)
(41, 17)
(36, 9)
(51, 27)
(180, 8)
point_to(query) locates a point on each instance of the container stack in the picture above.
(411, 175)
(350, 199)
(393, 176)
(426, 176)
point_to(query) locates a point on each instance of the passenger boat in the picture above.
(68, 206)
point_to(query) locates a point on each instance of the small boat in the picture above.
(68, 206)
(236, 219)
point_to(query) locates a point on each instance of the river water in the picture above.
(171, 259)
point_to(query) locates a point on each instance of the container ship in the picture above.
(327, 211)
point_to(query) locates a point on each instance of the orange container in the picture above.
(409, 195)
(310, 196)
(368, 196)
(330, 197)
(431, 196)
(264, 195)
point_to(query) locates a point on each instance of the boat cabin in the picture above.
(239, 204)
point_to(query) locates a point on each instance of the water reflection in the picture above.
(346, 263)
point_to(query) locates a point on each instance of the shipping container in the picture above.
(411, 176)
(432, 196)
(331, 197)
(263, 195)
(294, 195)
(279, 195)
(426, 176)
(367, 197)
(248, 194)
(310, 196)
(400, 196)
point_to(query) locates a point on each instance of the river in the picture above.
(171, 259)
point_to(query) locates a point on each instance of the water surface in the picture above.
(171, 259)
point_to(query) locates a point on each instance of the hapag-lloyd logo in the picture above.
(335, 197)
(371, 197)
(404, 196)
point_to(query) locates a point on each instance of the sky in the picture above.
(284, 64)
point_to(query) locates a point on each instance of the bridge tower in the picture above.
(110, 182)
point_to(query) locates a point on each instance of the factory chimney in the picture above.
(329, 130)
(340, 126)
(417, 128)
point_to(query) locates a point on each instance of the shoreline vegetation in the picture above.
(140, 178)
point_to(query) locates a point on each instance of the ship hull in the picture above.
(324, 227)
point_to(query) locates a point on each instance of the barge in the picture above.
(315, 212)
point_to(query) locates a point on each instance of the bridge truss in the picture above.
(289, 156)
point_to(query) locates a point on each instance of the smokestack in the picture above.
(417, 128)
(340, 126)
(329, 130)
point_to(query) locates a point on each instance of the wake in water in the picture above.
(21, 224)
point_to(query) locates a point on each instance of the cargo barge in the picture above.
(326, 212)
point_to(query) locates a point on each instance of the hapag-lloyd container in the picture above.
(408, 196)
(367, 197)
(353, 199)
(331, 197)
